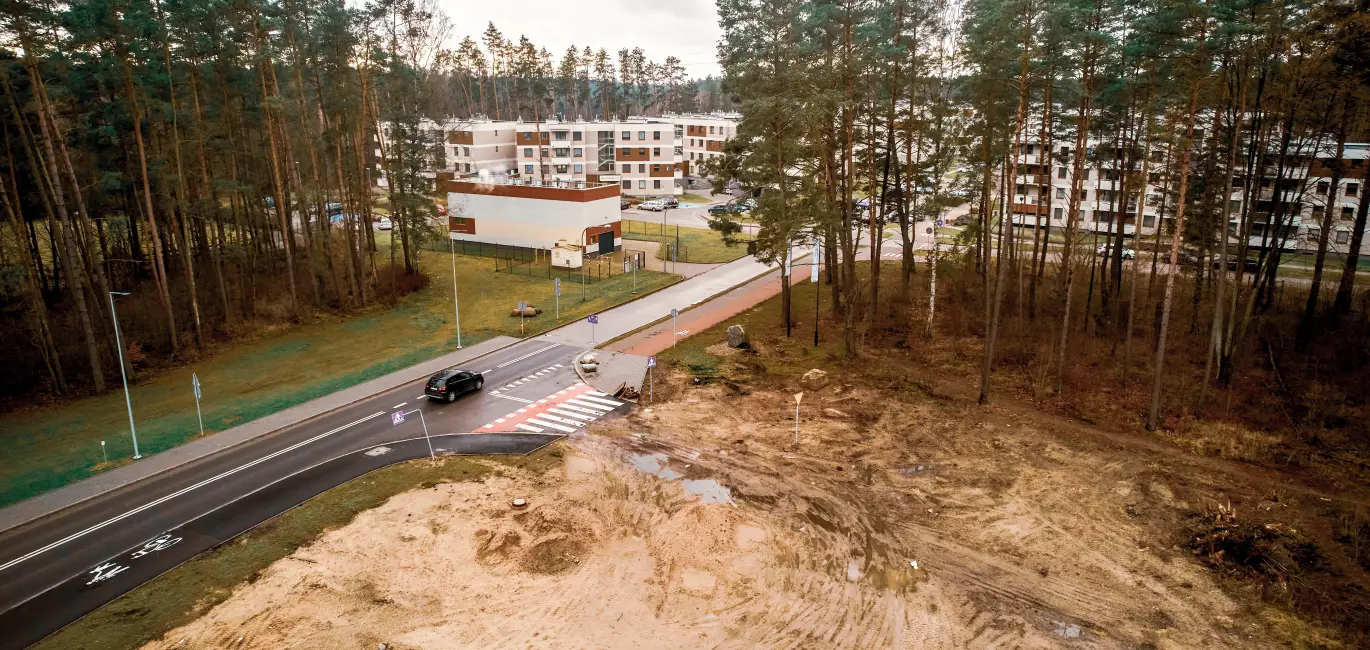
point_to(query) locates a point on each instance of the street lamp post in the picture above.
(118, 343)
(456, 308)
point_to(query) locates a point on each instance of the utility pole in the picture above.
(118, 343)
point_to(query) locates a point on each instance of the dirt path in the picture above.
(658, 337)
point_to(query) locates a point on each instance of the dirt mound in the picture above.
(553, 556)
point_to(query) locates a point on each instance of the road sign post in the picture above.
(195, 383)
(397, 418)
(556, 290)
(118, 344)
(817, 290)
(104, 453)
(798, 397)
(522, 306)
(456, 308)
(593, 318)
(651, 363)
(675, 326)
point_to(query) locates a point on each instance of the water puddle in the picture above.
(659, 465)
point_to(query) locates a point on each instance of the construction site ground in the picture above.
(904, 516)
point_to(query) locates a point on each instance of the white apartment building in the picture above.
(529, 214)
(702, 136)
(644, 156)
(1043, 186)
(479, 145)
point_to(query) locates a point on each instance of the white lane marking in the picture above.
(489, 426)
(527, 428)
(516, 399)
(549, 416)
(601, 400)
(400, 405)
(173, 495)
(569, 414)
(596, 393)
(508, 385)
(541, 423)
(601, 408)
(580, 409)
(499, 419)
(534, 352)
(421, 396)
(485, 371)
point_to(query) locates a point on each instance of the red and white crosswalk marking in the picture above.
(565, 411)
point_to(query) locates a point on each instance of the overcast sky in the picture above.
(686, 29)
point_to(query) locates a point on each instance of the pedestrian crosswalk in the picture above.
(515, 383)
(565, 411)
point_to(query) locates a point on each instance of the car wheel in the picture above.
(451, 396)
(479, 383)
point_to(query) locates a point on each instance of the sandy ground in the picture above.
(894, 523)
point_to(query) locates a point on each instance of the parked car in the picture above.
(385, 224)
(1128, 254)
(652, 206)
(670, 202)
(624, 204)
(450, 383)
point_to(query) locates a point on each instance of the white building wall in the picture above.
(530, 222)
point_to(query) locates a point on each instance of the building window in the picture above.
(627, 168)
(627, 135)
(1149, 221)
(497, 146)
(1322, 188)
(641, 135)
(656, 135)
(1060, 192)
(1086, 173)
(641, 168)
(627, 185)
(576, 135)
(711, 130)
(1343, 236)
(468, 167)
(1060, 172)
(580, 169)
(1348, 213)
(656, 151)
(1352, 189)
(1059, 212)
(1084, 195)
(528, 169)
(1314, 232)
(562, 169)
(527, 152)
(642, 151)
(466, 151)
(542, 151)
(656, 185)
(576, 152)
(561, 153)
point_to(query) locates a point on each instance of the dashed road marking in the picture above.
(527, 428)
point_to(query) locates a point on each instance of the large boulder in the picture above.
(530, 311)
(814, 380)
(737, 337)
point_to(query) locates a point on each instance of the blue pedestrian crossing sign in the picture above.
(397, 418)
(594, 319)
(651, 362)
(556, 286)
(195, 381)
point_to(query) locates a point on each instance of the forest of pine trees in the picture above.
(217, 162)
(923, 104)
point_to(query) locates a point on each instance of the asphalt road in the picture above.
(56, 569)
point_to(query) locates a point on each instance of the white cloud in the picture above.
(685, 29)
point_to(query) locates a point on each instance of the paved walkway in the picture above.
(659, 337)
(625, 318)
(114, 479)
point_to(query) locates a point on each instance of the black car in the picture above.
(449, 383)
(719, 208)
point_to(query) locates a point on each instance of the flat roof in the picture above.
(585, 193)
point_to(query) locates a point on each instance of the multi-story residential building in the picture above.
(644, 156)
(639, 154)
(702, 136)
(1044, 183)
(480, 145)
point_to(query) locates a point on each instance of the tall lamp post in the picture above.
(456, 308)
(120, 345)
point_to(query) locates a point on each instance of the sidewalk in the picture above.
(69, 495)
(625, 318)
(616, 368)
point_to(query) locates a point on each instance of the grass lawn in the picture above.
(698, 245)
(695, 198)
(46, 448)
(184, 593)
